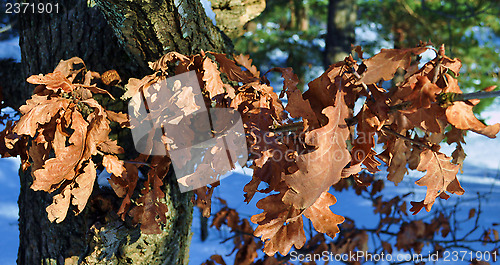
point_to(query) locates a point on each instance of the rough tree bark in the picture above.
(121, 35)
(342, 15)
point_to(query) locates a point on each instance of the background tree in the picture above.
(469, 28)
(342, 16)
(287, 33)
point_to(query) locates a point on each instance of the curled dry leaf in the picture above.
(151, 210)
(53, 81)
(211, 76)
(232, 71)
(111, 78)
(423, 94)
(67, 67)
(246, 62)
(322, 167)
(120, 118)
(113, 165)
(38, 111)
(77, 193)
(280, 226)
(94, 89)
(362, 146)
(162, 63)
(64, 166)
(297, 106)
(384, 64)
(399, 153)
(322, 90)
(461, 116)
(83, 186)
(58, 210)
(322, 218)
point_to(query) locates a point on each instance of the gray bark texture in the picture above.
(342, 15)
(120, 35)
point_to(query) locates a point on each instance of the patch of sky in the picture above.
(313, 73)
(426, 56)
(277, 56)
(9, 210)
(319, 43)
(296, 39)
(10, 49)
(359, 104)
(366, 32)
(102, 178)
(207, 5)
(272, 25)
(367, 35)
(9, 192)
(483, 35)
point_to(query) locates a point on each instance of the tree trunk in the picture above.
(138, 32)
(299, 22)
(342, 15)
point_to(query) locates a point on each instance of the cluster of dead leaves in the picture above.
(67, 127)
(300, 167)
(61, 127)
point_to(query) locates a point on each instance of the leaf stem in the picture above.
(390, 131)
(137, 163)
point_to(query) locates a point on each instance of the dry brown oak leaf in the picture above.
(384, 64)
(441, 176)
(322, 168)
(461, 116)
(281, 225)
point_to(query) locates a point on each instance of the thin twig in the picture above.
(437, 69)
(477, 95)
(137, 163)
(287, 127)
(390, 131)
(476, 221)
(6, 28)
